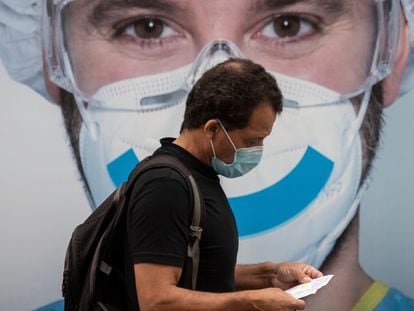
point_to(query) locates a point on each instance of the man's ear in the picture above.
(391, 84)
(52, 89)
(210, 128)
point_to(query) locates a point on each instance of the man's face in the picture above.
(329, 42)
(259, 127)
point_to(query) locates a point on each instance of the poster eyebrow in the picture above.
(103, 10)
(328, 6)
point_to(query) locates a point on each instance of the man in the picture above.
(128, 65)
(229, 113)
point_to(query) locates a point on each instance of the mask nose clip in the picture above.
(212, 54)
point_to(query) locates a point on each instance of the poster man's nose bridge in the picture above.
(212, 54)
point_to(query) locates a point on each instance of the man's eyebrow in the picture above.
(328, 6)
(104, 10)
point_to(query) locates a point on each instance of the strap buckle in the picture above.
(196, 231)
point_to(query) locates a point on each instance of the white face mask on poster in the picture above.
(305, 189)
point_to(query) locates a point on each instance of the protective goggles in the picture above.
(343, 45)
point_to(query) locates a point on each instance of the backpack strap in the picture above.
(196, 228)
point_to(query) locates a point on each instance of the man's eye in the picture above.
(149, 28)
(287, 26)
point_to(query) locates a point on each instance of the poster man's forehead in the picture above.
(180, 5)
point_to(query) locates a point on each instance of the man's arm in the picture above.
(157, 290)
(281, 275)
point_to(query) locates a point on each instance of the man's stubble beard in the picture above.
(73, 123)
(370, 131)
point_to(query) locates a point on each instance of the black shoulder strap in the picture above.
(196, 227)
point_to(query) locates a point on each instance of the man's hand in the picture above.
(273, 299)
(288, 274)
(282, 275)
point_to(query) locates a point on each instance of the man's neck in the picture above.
(193, 142)
(350, 281)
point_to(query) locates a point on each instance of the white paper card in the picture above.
(306, 289)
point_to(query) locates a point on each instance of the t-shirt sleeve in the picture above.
(159, 219)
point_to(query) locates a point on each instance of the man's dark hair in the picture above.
(229, 92)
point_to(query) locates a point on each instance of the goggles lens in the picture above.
(344, 46)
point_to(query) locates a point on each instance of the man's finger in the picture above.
(305, 279)
(313, 272)
(299, 304)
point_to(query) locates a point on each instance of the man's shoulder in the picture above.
(162, 175)
(159, 185)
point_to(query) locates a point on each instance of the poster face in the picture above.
(293, 207)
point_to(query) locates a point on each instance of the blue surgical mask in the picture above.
(245, 159)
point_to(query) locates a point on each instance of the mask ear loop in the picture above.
(212, 147)
(354, 130)
(228, 136)
(356, 126)
(91, 126)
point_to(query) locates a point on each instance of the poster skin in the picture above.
(43, 200)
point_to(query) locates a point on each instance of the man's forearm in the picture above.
(254, 276)
(179, 299)
(159, 291)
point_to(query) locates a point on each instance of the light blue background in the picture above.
(42, 200)
(387, 210)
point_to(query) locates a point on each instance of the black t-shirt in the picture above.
(159, 216)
